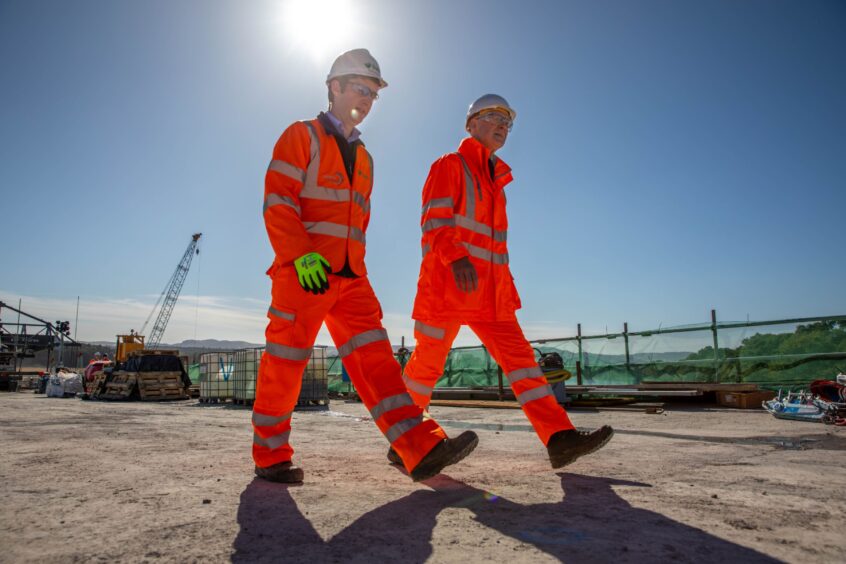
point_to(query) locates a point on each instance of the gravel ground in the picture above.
(90, 481)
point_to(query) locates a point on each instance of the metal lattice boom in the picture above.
(171, 292)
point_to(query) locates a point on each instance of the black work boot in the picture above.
(448, 451)
(393, 457)
(565, 447)
(283, 473)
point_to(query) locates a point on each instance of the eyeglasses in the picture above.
(497, 118)
(363, 90)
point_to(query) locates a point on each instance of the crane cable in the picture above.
(197, 303)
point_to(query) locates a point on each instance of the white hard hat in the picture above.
(490, 102)
(359, 62)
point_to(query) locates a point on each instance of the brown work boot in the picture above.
(565, 447)
(448, 451)
(283, 473)
(393, 457)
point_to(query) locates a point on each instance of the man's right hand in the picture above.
(465, 275)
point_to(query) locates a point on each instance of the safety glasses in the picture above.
(496, 118)
(363, 90)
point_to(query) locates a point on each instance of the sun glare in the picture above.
(319, 27)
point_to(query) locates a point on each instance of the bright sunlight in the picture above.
(319, 27)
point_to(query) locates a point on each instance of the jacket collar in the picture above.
(477, 156)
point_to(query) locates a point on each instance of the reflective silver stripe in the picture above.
(362, 339)
(438, 222)
(273, 442)
(523, 373)
(327, 194)
(499, 258)
(438, 203)
(404, 426)
(283, 314)
(363, 202)
(314, 164)
(473, 225)
(358, 235)
(469, 187)
(415, 386)
(262, 420)
(426, 248)
(429, 330)
(287, 169)
(370, 158)
(485, 254)
(500, 236)
(276, 200)
(389, 404)
(533, 394)
(327, 228)
(286, 352)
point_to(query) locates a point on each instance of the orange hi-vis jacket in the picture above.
(310, 204)
(464, 216)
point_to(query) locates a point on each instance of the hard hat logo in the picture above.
(356, 62)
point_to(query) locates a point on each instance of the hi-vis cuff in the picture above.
(273, 442)
(534, 394)
(362, 339)
(389, 404)
(401, 428)
(262, 420)
(523, 373)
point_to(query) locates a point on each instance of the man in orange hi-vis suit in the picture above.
(316, 210)
(465, 280)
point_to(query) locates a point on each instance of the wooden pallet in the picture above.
(119, 386)
(158, 386)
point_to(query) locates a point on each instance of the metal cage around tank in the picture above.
(315, 379)
(217, 380)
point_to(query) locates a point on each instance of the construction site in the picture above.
(507, 282)
(724, 449)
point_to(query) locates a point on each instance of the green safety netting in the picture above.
(194, 373)
(776, 354)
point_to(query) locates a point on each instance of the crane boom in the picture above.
(171, 292)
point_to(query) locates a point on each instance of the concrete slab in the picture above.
(173, 482)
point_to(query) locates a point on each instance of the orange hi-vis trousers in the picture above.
(354, 319)
(509, 348)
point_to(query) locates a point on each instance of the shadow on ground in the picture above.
(590, 524)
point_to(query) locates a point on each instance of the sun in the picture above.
(319, 27)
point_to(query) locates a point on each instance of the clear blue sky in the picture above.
(669, 156)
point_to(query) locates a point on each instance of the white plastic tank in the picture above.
(217, 375)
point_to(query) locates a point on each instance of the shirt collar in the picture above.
(339, 127)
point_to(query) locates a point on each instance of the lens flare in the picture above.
(319, 27)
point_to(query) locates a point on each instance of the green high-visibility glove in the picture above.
(311, 270)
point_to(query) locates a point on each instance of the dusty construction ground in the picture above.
(98, 481)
